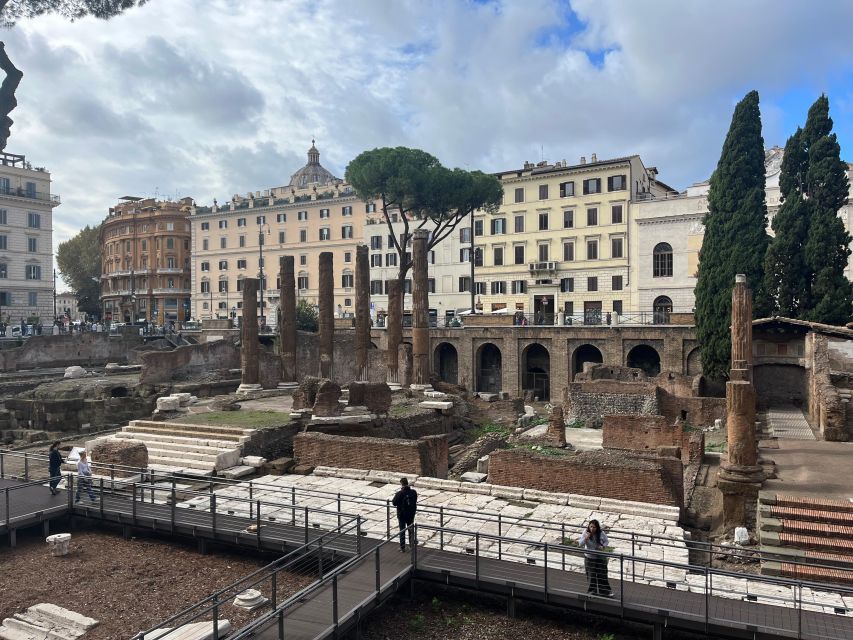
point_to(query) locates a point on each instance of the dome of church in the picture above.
(313, 173)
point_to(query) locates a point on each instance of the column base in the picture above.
(288, 385)
(248, 388)
(741, 473)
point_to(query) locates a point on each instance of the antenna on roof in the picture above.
(542, 152)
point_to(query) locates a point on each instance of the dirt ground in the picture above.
(128, 585)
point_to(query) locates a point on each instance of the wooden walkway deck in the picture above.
(28, 505)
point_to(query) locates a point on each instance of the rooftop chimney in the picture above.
(583, 159)
(594, 158)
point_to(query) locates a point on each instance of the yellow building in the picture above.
(314, 212)
(558, 248)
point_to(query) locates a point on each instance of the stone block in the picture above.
(488, 397)
(250, 599)
(168, 403)
(534, 494)
(327, 402)
(483, 465)
(191, 631)
(473, 476)
(325, 472)
(75, 372)
(128, 453)
(508, 493)
(253, 461)
(425, 482)
(183, 398)
(58, 544)
(435, 395)
(389, 477)
(237, 472)
(351, 474)
(449, 485)
(482, 488)
(440, 405)
(278, 466)
(584, 502)
(302, 470)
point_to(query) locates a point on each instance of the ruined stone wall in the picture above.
(185, 361)
(86, 349)
(826, 410)
(647, 433)
(426, 456)
(591, 400)
(696, 411)
(308, 355)
(780, 383)
(594, 473)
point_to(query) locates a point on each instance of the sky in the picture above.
(208, 98)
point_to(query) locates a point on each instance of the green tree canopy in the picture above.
(307, 318)
(79, 262)
(735, 235)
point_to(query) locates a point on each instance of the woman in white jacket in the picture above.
(594, 539)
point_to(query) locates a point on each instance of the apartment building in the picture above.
(559, 246)
(245, 238)
(145, 258)
(26, 241)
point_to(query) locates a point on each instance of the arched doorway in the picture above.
(446, 363)
(489, 368)
(646, 358)
(585, 353)
(694, 362)
(536, 371)
(661, 308)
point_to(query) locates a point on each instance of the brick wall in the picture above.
(426, 456)
(640, 433)
(698, 411)
(595, 473)
(596, 398)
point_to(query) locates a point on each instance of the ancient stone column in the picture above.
(741, 330)
(327, 313)
(249, 380)
(362, 311)
(420, 310)
(287, 323)
(394, 330)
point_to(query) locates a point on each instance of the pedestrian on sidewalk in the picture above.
(84, 478)
(54, 464)
(594, 540)
(406, 501)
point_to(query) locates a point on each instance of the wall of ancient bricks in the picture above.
(607, 474)
(85, 349)
(426, 456)
(647, 433)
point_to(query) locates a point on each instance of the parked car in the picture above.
(16, 332)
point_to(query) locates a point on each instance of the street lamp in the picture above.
(261, 224)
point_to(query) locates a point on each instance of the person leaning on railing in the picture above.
(595, 540)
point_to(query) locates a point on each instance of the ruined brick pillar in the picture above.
(250, 376)
(287, 323)
(740, 474)
(327, 313)
(420, 310)
(362, 311)
(394, 330)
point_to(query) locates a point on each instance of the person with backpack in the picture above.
(406, 501)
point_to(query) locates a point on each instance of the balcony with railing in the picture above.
(29, 194)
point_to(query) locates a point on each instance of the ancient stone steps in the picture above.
(807, 502)
(192, 428)
(205, 435)
(184, 463)
(807, 514)
(45, 622)
(178, 441)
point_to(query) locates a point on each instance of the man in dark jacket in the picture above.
(406, 501)
(54, 466)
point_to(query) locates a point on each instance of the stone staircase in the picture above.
(45, 622)
(189, 449)
(810, 530)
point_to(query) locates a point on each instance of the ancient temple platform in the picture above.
(811, 468)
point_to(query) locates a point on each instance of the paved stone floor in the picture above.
(787, 422)
(580, 439)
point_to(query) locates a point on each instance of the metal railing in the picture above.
(14, 497)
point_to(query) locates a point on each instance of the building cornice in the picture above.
(260, 210)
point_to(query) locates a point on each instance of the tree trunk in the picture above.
(7, 93)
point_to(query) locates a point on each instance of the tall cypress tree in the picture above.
(787, 278)
(828, 244)
(735, 235)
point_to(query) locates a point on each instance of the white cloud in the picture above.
(211, 97)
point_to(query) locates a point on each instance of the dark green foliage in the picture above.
(735, 235)
(79, 261)
(306, 316)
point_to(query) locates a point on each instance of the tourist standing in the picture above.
(54, 465)
(406, 501)
(595, 540)
(84, 478)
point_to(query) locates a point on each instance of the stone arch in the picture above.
(446, 362)
(585, 353)
(694, 362)
(489, 367)
(536, 370)
(644, 357)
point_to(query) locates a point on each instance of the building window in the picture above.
(465, 254)
(592, 283)
(205, 226)
(324, 233)
(31, 189)
(478, 257)
(241, 222)
(616, 214)
(346, 211)
(567, 285)
(519, 286)
(375, 259)
(324, 213)
(241, 264)
(407, 285)
(478, 227)
(347, 256)
(303, 235)
(498, 256)
(347, 281)
(568, 251)
(592, 249)
(593, 185)
(223, 265)
(205, 266)
(567, 189)
(519, 223)
(370, 208)
(616, 283)
(34, 220)
(302, 282)
(281, 237)
(615, 247)
(616, 183)
(465, 234)
(543, 222)
(661, 308)
(223, 224)
(431, 285)
(519, 253)
(346, 231)
(543, 191)
(617, 307)
(519, 194)
(223, 243)
(544, 252)
(464, 284)
(498, 287)
(281, 217)
(33, 298)
(592, 217)
(32, 245)
(223, 286)
(376, 243)
(390, 259)
(4, 270)
(33, 272)
(568, 219)
(259, 220)
(376, 287)
(170, 226)
(498, 226)
(662, 260)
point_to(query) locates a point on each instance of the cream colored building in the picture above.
(314, 212)
(26, 242)
(560, 245)
(667, 233)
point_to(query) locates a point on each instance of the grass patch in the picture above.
(248, 419)
(491, 427)
(577, 424)
(402, 410)
(718, 447)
